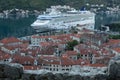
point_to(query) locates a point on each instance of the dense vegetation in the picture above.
(114, 36)
(114, 27)
(42, 4)
(71, 44)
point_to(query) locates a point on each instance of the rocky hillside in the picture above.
(114, 69)
(50, 76)
(10, 71)
(42, 4)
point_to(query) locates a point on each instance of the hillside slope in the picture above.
(42, 4)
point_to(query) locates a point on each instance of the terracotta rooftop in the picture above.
(32, 67)
(70, 53)
(23, 59)
(10, 40)
(11, 47)
(63, 61)
(4, 56)
(66, 61)
(114, 41)
(47, 51)
(117, 50)
(82, 62)
(50, 60)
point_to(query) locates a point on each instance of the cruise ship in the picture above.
(57, 20)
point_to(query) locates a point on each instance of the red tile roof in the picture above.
(70, 53)
(47, 51)
(11, 47)
(50, 60)
(4, 56)
(63, 37)
(114, 41)
(85, 49)
(45, 44)
(10, 40)
(117, 50)
(30, 52)
(63, 61)
(66, 61)
(82, 62)
(25, 60)
(32, 67)
(88, 51)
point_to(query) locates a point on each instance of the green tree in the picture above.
(114, 26)
(114, 36)
(70, 45)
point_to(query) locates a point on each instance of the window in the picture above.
(67, 69)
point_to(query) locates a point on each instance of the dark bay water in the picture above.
(18, 27)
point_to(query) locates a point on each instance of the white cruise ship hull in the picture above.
(66, 21)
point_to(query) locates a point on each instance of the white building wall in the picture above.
(58, 68)
(77, 39)
(9, 51)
